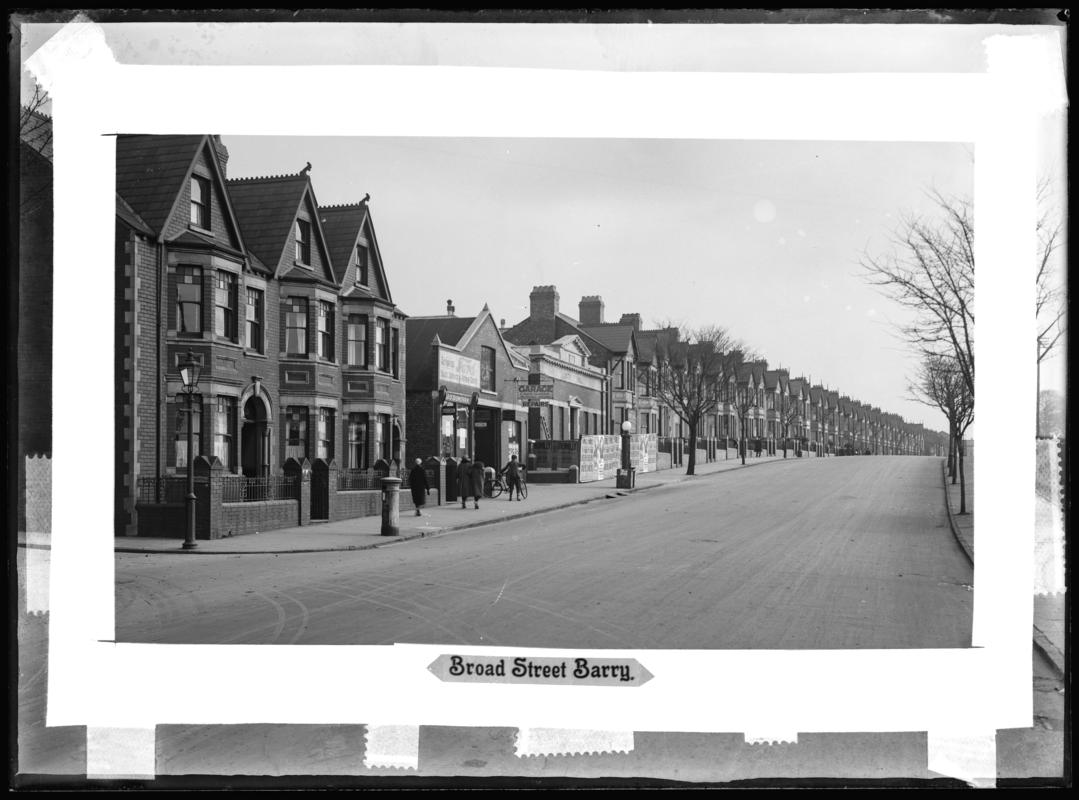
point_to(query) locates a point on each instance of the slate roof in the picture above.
(797, 385)
(35, 129)
(265, 211)
(341, 225)
(614, 337)
(419, 333)
(151, 170)
(128, 215)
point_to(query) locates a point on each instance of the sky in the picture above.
(762, 238)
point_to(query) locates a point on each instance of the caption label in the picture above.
(551, 671)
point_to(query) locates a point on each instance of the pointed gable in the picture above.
(353, 246)
(268, 210)
(151, 172)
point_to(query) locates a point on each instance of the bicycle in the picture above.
(493, 488)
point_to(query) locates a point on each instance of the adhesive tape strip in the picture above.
(567, 741)
(396, 746)
(971, 757)
(113, 753)
(1049, 528)
(36, 574)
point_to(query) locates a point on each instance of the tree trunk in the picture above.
(952, 466)
(692, 465)
(742, 443)
(962, 483)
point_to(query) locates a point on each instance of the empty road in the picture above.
(835, 553)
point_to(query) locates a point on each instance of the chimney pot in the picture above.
(449, 307)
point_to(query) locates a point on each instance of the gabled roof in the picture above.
(266, 209)
(342, 226)
(420, 332)
(618, 339)
(455, 332)
(572, 341)
(151, 171)
(648, 342)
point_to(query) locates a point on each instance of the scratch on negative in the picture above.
(501, 590)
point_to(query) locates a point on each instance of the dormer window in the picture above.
(200, 202)
(303, 241)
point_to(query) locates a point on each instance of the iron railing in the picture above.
(358, 479)
(244, 489)
(169, 489)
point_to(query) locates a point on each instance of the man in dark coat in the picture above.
(464, 480)
(475, 472)
(417, 481)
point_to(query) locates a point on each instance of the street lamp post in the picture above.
(625, 475)
(190, 370)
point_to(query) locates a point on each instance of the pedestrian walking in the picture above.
(464, 480)
(475, 472)
(417, 482)
(512, 471)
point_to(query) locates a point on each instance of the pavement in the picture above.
(1048, 627)
(365, 533)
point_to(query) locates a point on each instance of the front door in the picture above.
(253, 445)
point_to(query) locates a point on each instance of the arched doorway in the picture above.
(255, 440)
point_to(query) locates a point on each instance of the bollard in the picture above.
(391, 506)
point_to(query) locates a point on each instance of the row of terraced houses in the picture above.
(314, 383)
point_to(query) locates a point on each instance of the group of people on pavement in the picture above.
(471, 476)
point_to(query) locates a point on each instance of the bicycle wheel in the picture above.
(524, 489)
(496, 488)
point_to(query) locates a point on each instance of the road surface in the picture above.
(836, 553)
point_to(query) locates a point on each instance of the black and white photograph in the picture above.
(472, 416)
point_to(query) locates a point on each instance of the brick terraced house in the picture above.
(287, 309)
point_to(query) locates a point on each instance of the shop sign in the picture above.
(455, 368)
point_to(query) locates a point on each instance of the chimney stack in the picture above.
(543, 302)
(590, 310)
(631, 319)
(222, 154)
(449, 308)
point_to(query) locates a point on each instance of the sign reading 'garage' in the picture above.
(552, 671)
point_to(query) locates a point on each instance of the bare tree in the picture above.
(790, 413)
(932, 272)
(35, 132)
(692, 369)
(940, 384)
(746, 400)
(1050, 294)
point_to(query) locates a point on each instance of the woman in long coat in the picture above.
(417, 481)
(475, 472)
(464, 480)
